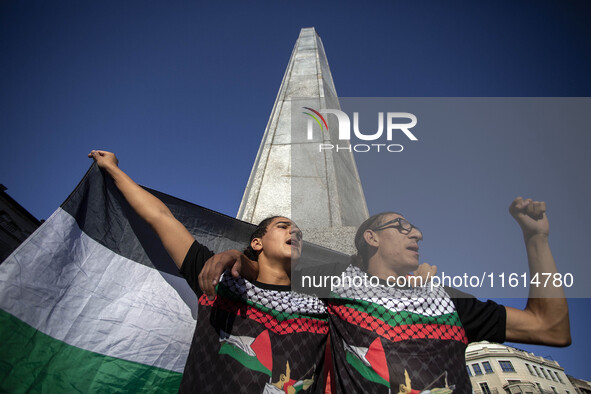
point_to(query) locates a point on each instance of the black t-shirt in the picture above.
(387, 339)
(482, 320)
(253, 337)
(193, 264)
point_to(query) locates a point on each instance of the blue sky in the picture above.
(182, 93)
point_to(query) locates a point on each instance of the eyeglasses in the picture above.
(400, 224)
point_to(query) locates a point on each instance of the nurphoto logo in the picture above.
(393, 127)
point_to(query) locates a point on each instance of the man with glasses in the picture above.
(392, 339)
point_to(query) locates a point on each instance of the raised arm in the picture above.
(174, 236)
(545, 318)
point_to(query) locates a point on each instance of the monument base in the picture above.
(340, 239)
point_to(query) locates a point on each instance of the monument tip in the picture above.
(307, 30)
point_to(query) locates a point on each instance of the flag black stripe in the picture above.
(103, 214)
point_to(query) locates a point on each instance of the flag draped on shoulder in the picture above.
(91, 302)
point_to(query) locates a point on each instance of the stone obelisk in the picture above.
(319, 190)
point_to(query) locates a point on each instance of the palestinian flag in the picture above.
(91, 302)
(370, 361)
(253, 353)
(256, 354)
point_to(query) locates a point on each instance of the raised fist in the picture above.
(530, 215)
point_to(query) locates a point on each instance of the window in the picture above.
(484, 388)
(7, 223)
(554, 390)
(540, 388)
(553, 376)
(545, 374)
(538, 371)
(487, 367)
(477, 370)
(468, 369)
(506, 366)
(531, 371)
(4, 217)
(559, 378)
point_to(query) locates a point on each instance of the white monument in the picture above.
(320, 191)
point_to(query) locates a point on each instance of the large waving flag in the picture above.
(91, 302)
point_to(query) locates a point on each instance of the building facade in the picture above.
(500, 369)
(582, 386)
(16, 224)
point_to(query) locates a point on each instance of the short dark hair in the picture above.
(364, 251)
(259, 232)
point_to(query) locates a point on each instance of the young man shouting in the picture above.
(254, 336)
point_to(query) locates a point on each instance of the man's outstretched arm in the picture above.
(544, 320)
(234, 260)
(174, 236)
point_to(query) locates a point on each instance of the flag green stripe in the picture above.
(33, 361)
(365, 371)
(280, 316)
(398, 318)
(239, 355)
(66, 285)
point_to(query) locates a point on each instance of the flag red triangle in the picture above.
(377, 359)
(262, 348)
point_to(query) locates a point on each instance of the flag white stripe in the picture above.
(70, 287)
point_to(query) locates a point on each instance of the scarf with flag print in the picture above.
(391, 340)
(257, 338)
